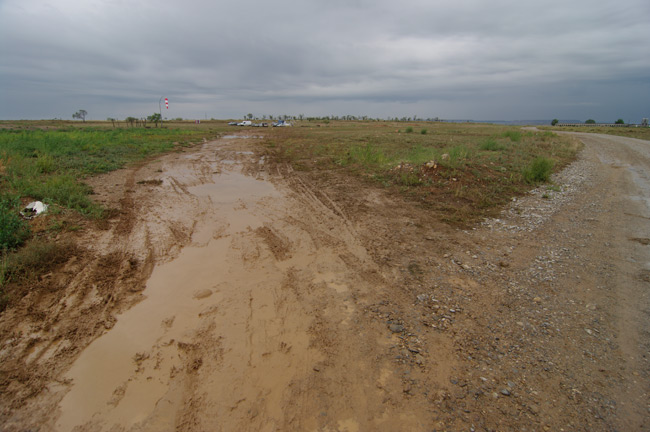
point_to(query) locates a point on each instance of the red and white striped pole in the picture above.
(160, 108)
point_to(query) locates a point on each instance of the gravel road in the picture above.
(583, 249)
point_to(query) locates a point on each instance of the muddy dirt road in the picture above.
(232, 293)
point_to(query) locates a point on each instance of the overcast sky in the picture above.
(461, 59)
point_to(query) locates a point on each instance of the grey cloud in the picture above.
(462, 59)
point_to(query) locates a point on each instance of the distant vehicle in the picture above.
(282, 123)
(232, 123)
(245, 123)
(263, 124)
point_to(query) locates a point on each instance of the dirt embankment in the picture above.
(231, 293)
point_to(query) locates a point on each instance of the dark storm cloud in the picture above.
(465, 59)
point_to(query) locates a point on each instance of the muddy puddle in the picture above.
(218, 317)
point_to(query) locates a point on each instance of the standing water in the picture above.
(223, 297)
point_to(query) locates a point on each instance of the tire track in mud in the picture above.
(257, 323)
(282, 300)
(68, 309)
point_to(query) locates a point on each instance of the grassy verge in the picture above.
(630, 132)
(47, 161)
(464, 172)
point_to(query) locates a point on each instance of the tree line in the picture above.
(131, 121)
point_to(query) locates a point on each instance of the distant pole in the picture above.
(160, 110)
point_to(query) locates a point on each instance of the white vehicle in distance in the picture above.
(282, 123)
(245, 123)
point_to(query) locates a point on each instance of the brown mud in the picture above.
(231, 293)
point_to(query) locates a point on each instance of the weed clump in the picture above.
(13, 229)
(491, 144)
(539, 170)
(23, 267)
(515, 136)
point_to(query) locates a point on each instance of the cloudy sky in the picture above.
(461, 59)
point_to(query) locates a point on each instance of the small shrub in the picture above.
(539, 170)
(367, 156)
(491, 144)
(13, 229)
(515, 136)
(409, 179)
(423, 132)
(45, 164)
(409, 129)
(554, 188)
(455, 156)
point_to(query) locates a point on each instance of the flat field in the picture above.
(329, 276)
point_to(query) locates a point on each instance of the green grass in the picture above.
(491, 144)
(514, 135)
(13, 229)
(47, 165)
(47, 161)
(539, 170)
(461, 171)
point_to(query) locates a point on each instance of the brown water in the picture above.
(222, 296)
(252, 325)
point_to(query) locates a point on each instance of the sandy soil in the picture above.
(232, 293)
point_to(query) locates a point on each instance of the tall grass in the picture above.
(539, 170)
(514, 135)
(366, 156)
(491, 144)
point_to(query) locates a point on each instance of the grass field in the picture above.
(462, 171)
(46, 161)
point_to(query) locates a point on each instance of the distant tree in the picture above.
(81, 114)
(112, 120)
(155, 117)
(249, 116)
(590, 121)
(554, 122)
(130, 120)
(620, 121)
